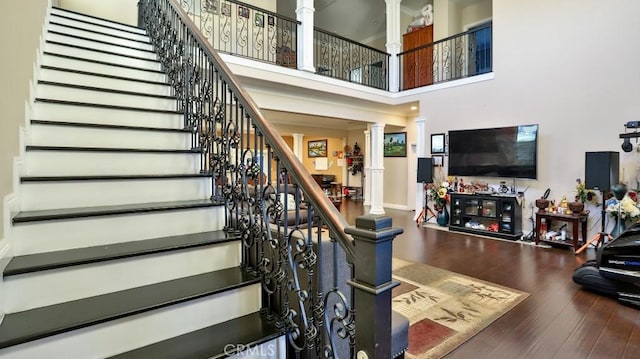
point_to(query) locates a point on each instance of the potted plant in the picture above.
(582, 195)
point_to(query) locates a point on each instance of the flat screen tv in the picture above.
(494, 152)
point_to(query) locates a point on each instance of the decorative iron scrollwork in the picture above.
(275, 246)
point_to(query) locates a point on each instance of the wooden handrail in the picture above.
(432, 44)
(314, 194)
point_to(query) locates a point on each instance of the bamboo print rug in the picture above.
(444, 308)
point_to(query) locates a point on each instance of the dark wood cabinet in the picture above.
(497, 216)
(417, 65)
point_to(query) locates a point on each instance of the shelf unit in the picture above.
(355, 182)
(578, 224)
(496, 216)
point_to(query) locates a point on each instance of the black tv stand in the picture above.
(490, 215)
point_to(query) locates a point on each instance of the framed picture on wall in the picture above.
(211, 6)
(317, 148)
(395, 144)
(225, 9)
(259, 20)
(437, 160)
(243, 11)
(437, 143)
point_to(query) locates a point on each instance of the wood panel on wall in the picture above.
(417, 66)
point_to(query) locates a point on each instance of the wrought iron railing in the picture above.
(293, 237)
(344, 59)
(455, 57)
(241, 29)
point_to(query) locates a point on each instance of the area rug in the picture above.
(444, 308)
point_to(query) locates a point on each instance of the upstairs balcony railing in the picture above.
(241, 29)
(344, 59)
(455, 57)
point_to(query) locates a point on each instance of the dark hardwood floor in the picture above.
(557, 320)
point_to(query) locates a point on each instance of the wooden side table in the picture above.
(573, 219)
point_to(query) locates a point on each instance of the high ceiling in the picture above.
(356, 20)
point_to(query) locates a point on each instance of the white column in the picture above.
(304, 14)
(298, 145)
(393, 43)
(366, 191)
(421, 151)
(377, 168)
(344, 170)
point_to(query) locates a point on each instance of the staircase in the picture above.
(118, 248)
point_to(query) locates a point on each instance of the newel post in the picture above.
(372, 284)
(140, 15)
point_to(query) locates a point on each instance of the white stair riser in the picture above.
(57, 61)
(47, 236)
(99, 37)
(125, 51)
(71, 163)
(52, 92)
(273, 349)
(98, 22)
(100, 56)
(114, 337)
(51, 195)
(103, 82)
(105, 116)
(71, 136)
(99, 28)
(33, 290)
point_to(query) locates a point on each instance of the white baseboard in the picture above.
(4, 250)
(403, 207)
(9, 204)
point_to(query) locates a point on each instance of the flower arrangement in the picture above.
(628, 207)
(438, 192)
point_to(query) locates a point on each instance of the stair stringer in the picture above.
(11, 201)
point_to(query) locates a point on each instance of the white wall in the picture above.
(450, 17)
(124, 11)
(270, 5)
(474, 13)
(21, 26)
(569, 66)
(405, 20)
(396, 173)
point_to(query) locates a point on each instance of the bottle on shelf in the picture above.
(543, 228)
(461, 186)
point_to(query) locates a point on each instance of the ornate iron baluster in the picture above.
(244, 173)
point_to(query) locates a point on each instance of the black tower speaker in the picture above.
(425, 170)
(601, 170)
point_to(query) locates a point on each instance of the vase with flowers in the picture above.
(624, 211)
(438, 193)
